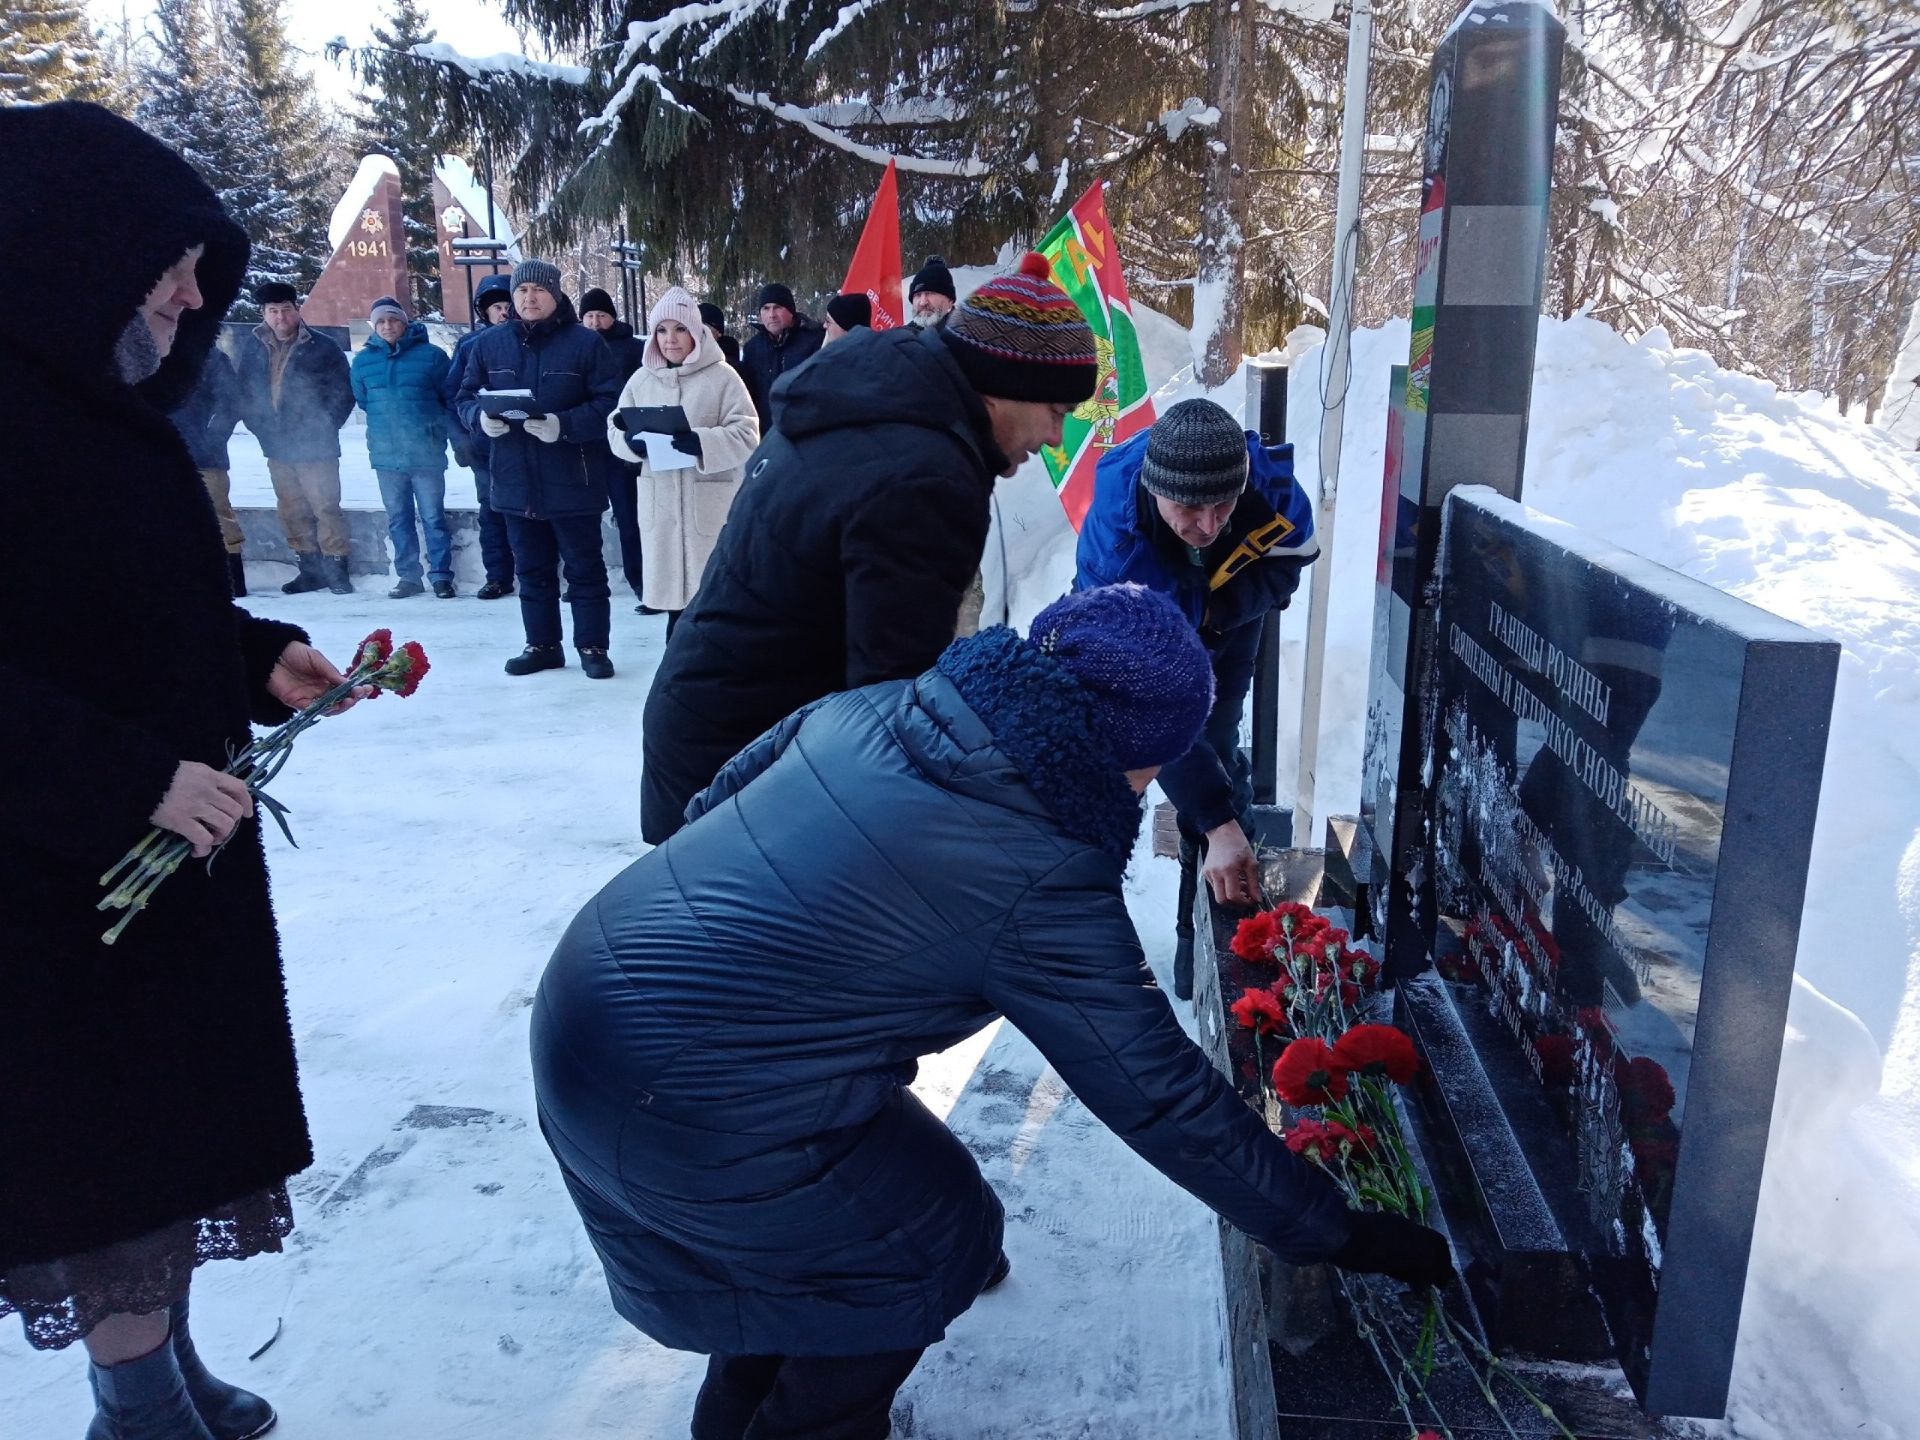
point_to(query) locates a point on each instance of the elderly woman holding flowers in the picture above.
(682, 509)
(150, 1111)
(724, 1039)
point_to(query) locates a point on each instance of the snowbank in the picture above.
(1776, 499)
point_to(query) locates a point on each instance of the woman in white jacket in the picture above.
(682, 510)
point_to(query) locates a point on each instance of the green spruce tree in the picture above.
(49, 52)
(307, 152)
(397, 121)
(196, 100)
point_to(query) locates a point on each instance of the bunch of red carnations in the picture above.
(378, 662)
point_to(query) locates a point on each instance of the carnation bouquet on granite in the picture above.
(378, 663)
(1335, 1073)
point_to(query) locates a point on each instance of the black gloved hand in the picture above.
(686, 442)
(1383, 1244)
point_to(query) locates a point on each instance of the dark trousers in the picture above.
(673, 619)
(805, 1397)
(1233, 667)
(623, 490)
(539, 547)
(496, 551)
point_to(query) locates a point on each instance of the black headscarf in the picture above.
(97, 210)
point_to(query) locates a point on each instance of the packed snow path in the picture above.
(439, 1284)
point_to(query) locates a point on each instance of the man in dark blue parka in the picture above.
(760, 1184)
(492, 305)
(550, 469)
(1200, 511)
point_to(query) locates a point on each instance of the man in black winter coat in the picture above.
(785, 341)
(550, 462)
(860, 523)
(205, 421)
(492, 305)
(623, 480)
(296, 391)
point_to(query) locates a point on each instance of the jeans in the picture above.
(496, 551)
(801, 1397)
(402, 492)
(539, 547)
(623, 490)
(307, 494)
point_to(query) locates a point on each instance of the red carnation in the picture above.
(374, 651)
(1377, 1050)
(1360, 967)
(1307, 1074)
(1323, 986)
(1556, 1059)
(1462, 969)
(1261, 1011)
(1312, 1140)
(403, 673)
(1362, 1139)
(1257, 937)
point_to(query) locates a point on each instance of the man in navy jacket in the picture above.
(550, 466)
(492, 305)
(1197, 509)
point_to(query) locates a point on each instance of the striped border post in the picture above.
(1494, 96)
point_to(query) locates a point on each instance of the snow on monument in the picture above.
(368, 235)
(461, 208)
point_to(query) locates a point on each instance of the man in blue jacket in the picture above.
(492, 305)
(1197, 509)
(550, 468)
(396, 379)
(724, 1039)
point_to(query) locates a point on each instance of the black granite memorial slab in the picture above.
(1624, 768)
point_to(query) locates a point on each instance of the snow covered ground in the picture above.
(439, 1286)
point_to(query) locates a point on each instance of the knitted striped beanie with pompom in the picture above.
(1020, 337)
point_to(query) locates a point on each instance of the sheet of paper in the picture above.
(662, 456)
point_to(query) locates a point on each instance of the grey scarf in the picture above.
(135, 355)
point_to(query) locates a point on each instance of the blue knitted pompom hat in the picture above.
(1141, 664)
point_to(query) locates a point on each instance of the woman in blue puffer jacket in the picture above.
(396, 379)
(893, 867)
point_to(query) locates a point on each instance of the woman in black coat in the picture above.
(724, 1039)
(150, 1112)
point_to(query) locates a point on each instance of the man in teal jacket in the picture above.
(396, 380)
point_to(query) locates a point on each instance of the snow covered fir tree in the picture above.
(197, 98)
(399, 123)
(49, 51)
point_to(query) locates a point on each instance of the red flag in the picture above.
(875, 271)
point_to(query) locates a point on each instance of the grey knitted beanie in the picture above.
(538, 272)
(1196, 455)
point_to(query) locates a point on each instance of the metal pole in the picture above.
(473, 318)
(1266, 414)
(1336, 362)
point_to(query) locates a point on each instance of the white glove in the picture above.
(546, 428)
(494, 425)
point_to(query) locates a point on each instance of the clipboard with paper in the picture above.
(650, 430)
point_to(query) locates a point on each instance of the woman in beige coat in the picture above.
(682, 510)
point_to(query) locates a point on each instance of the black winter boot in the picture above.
(144, 1399)
(228, 1412)
(309, 577)
(334, 569)
(496, 590)
(595, 665)
(1002, 1268)
(536, 658)
(237, 576)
